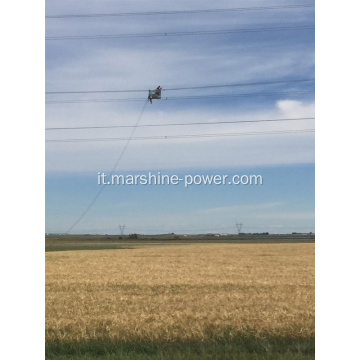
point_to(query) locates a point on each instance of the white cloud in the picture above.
(294, 108)
(200, 152)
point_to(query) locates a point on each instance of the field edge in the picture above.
(246, 345)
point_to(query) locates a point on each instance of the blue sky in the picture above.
(284, 203)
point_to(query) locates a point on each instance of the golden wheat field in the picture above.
(180, 293)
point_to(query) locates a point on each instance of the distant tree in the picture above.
(133, 236)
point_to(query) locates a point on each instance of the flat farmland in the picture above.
(199, 301)
(102, 242)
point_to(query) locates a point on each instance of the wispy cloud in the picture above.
(240, 208)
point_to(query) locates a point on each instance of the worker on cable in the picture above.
(158, 90)
(155, 94)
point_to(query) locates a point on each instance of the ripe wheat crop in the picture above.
(190, 293)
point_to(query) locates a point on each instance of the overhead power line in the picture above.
(162, 231)
(199, 97)
(178, 124)
(196, 136)
(270, 82)
(241, 84)
(179, 33)
(177, 12)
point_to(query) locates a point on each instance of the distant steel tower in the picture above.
(122, 228)
(239, 226)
